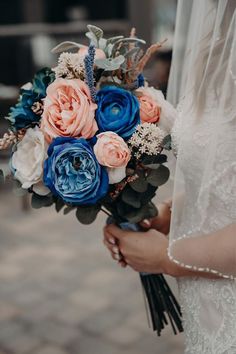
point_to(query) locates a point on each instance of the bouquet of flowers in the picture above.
(89, 135)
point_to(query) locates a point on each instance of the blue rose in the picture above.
(118, 111)
(22, 114)
(73, 173)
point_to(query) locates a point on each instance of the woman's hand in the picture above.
(142, 251)
(161, 222)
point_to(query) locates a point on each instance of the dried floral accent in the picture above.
(147, 140)
(143, 61)
(89, 78)
(70, 66)
(120, 186)
(11, 138)
(37, 108)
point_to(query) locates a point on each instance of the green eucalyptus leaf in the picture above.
(129, 196)
(68, 209)
(156, 159)
(98, 32)
(112, 40)
(110, 64)
(102, 43)
(137, 215)
(59, 204)
(39, 201)
(166, 143)
(64, 46)
(87, 214)
(92, 37)
(139, 185)
(2, 177)
(158, 177)
(148, 195)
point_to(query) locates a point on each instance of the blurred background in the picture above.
(60, 292)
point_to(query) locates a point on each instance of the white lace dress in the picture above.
(208, 306)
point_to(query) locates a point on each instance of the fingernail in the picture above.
(115, 250)
(117, 257)
(112, 241)
(146, 222)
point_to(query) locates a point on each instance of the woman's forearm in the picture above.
(216, 251)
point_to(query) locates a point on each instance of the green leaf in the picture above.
(2, 177)
(158, 177)
(112, 40)
(153, 160)
(96, 31)
(129, 196)
(147, 196)
(68, 209)
(39, 201)
(102, 43)
(135, 215)
(166, 143)
(59, 204)
(110, 64)
(140, 184)
(93, 38)
(64, 46)
(87, 214)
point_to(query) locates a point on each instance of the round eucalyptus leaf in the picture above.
(87, 214)
(139, 185)
(129, 196)
(158, 177)
(39, 201)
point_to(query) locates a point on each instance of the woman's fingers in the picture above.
(145, 224)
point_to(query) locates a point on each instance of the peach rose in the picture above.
(111, 150)
(150, 111)
(168, 113)
(68, 110)
(99, 53)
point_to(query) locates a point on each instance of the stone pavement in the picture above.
(60, 293)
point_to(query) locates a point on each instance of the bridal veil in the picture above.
(203, 86)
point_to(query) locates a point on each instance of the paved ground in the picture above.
(60, 293)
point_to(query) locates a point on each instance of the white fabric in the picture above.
(204, 199)
(203, 84)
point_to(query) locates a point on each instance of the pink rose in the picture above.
(150, 111)
(99, 53)
(68, 110)
(111, 150)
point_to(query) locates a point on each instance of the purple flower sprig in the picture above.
(88, 63)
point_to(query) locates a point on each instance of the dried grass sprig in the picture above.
(143, 61)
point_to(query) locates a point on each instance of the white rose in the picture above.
(116, 174)
(168, 112)
(28, 160)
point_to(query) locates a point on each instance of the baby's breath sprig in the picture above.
(147, 140)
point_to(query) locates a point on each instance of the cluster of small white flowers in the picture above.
(70, 66)
(147, 139)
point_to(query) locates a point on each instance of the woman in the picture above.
(200, 250)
